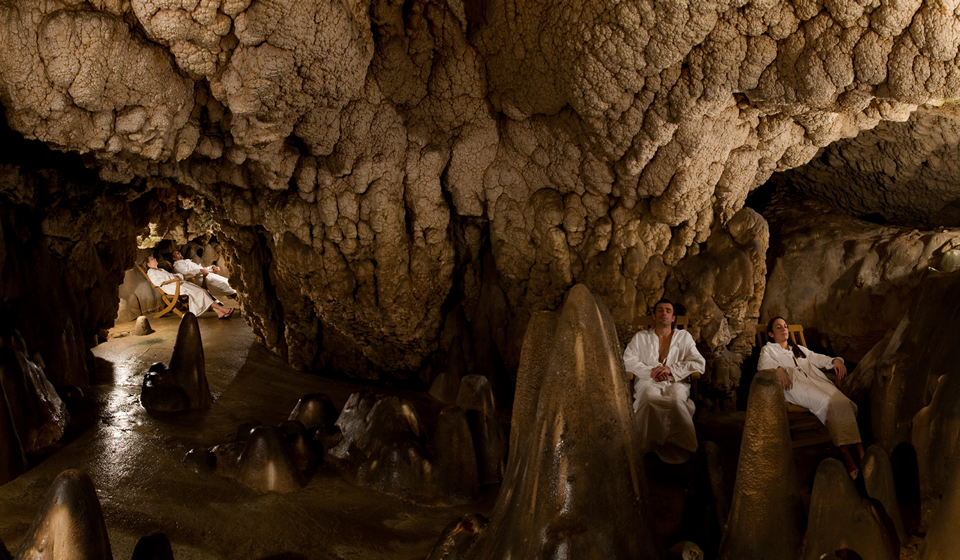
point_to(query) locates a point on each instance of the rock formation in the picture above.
(847, 281)
(183, 385)
(476, 400)
(766, 516)
(396, 162)
(153, 547)
(69, 524)
(574, 483)
(943, 538)
(35, 410)
(878, 481)
(385, 446)
(840, 518)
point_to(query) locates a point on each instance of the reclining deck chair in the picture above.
(805, 429)
(170, 301)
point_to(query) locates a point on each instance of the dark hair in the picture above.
(663, 300)
(797, 352)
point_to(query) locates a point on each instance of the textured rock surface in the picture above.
(905, 172)
(943, 538)
(574, 483)
(69, 524)
(364, 170)
(35, 409)
(847, 281)
(878, 481)
(476, 400)
(913, 395)
(183, 385)
(766, 515)
(384, 446)
(841, 518)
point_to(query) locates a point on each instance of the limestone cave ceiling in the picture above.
(393, 178)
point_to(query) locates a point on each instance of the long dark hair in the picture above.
(797, 352)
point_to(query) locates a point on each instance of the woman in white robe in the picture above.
(200, 300)
(804, 384)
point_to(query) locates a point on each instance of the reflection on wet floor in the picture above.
(135, 463)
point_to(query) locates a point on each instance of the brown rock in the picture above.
(577, 460)
(878, 480)
(455, 457)
(266, 463)
(69, 524)
(155, 546)
(315, 411)
(475, 398)
(766, 517)
(13, 462)
(142, 327)
(841, 519)
(187, 363)
(943, 539)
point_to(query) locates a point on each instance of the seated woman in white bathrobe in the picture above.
(200, 299)
(804, 384)
(662, 359)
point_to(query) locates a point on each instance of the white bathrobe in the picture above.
(200, 300)
(187, 267)
(812, 389)
(663, 409)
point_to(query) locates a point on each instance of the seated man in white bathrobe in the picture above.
(187, 267)
(662, 359)
(200, 300)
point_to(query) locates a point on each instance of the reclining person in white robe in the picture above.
(804, 384)
(187, 267)
(662, 359)
(200, 299)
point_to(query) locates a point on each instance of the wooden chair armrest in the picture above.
(171, 280)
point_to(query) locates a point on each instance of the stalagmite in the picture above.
(877, 473)
(476, 400)
(456, 458)
(766, 517)
(187, 363)
(69, 524)
(574, 484)
(840, 518)
(943, 539)
(182, 386)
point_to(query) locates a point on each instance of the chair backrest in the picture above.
(646, 321)
(796, 334)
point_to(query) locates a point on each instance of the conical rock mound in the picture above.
(574, 485)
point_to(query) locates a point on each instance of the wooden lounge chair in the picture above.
(170, 301)
(805, 428)
(646, 322)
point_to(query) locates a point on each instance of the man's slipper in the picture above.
(227, 314)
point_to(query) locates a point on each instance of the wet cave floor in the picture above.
(135, 462)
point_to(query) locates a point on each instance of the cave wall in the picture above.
(375, 167)
(65, 241)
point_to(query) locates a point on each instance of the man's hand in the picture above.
(839, 368)
(784, 379)
(660, 373)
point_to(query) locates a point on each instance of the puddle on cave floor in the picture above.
(135, 463)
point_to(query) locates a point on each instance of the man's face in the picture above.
(177, 256)
(663, 314)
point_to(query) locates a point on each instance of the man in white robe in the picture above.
(662, 359)
(187, 267)
(200, 299)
